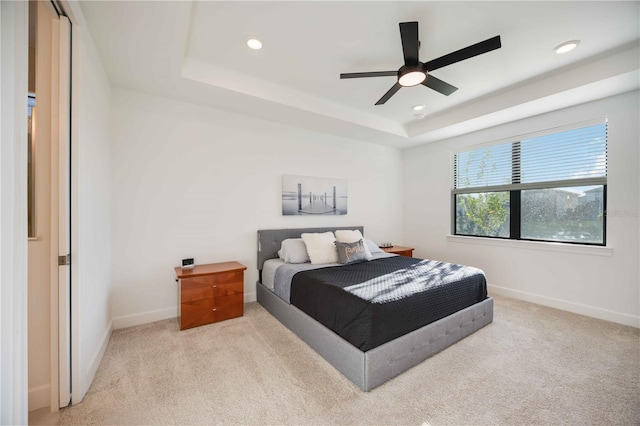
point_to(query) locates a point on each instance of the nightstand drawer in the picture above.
(229, 289)
(206, 311)
(219, 278)
(194, 290)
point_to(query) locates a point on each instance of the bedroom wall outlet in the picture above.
(188, 263)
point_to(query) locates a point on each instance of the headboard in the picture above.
(270, 240)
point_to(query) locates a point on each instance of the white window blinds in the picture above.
(576, 157)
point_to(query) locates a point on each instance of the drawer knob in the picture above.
(214, 309)
(214, 286)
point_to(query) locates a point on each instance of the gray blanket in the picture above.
(285, 273)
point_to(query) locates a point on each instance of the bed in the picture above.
(367, 361)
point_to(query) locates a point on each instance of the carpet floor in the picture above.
(532, 365)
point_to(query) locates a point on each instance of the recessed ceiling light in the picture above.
(417, 107)
(419, 116)
(254, 44)
(567, 46)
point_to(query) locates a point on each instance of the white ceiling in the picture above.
(196, 51)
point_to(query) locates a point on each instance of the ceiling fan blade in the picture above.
(466, 53)
(389, 94)
(369, 74)
(439, 85)
(410, 43)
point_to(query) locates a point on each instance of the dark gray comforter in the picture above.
(371, 303)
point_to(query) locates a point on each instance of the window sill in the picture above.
(534, 245)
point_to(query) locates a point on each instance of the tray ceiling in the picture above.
(196, 51)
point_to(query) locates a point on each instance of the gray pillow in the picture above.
(351, 252)
(373, 248)
(293, 250)
(352, 236)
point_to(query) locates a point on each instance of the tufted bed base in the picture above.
(370, 369)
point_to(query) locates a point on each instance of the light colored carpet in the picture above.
(532, 365)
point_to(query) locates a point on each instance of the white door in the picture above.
(64, 219)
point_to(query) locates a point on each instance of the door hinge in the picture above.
(64, 260)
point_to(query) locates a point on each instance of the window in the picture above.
(31, 166)
(545, 188)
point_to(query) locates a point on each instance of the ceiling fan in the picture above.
(414, 72)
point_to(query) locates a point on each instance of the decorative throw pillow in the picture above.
(347, 236)
(293, 250)
(320, 247)
(351, 252)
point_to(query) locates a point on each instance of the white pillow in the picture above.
(320, 247)
(293, 250)
(347, 236)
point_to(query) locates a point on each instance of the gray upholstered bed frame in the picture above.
(368, 369)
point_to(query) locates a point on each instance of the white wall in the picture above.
(195, 181)
(91, 212)
(600, 283)
(13, 212)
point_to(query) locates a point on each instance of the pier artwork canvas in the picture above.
(306, 195)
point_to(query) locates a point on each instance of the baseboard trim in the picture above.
(144, 317)
(96, 359)
(158, 315)
(576, 308)
(39, 397)
(250, 297)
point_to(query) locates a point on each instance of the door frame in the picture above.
(64, 344)
(71, 9)
(54, 403)
(60, 111)
(63, 241)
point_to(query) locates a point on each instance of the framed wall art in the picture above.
(307, 195)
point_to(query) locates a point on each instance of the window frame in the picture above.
(32, 223)
(515, 188)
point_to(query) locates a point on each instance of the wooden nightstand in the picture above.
(210, 293)
(402, 251)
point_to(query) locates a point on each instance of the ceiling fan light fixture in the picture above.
(254, 44)
(414, 72)
(567, 46)
(408, 77)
